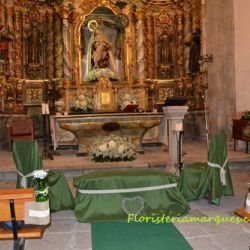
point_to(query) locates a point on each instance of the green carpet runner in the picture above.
(137, 236)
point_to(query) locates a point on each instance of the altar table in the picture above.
(89, 127)
(112, 195)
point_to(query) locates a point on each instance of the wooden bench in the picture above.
(12, 209)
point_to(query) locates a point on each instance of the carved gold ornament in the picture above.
(165, 18)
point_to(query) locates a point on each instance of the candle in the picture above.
(43, 109)
(179, 126)
(47, 108)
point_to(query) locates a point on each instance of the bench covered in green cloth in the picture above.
(113, 194)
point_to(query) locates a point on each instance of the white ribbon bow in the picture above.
(24, 179)
(222, 170)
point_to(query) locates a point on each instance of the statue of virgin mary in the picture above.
(100, 60)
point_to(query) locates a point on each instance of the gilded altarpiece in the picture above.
(147, 49)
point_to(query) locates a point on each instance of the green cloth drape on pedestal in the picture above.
(201, 180)
(60, 195)
(107, 207)
(27, 157)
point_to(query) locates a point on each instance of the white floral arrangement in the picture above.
(40, 174)
(126, 99)
(82, 103)
(97, 74)
(59, 103)
(113, 148)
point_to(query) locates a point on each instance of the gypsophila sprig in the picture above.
(113, 148)
(40, 174)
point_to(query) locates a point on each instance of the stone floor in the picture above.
(65, 233)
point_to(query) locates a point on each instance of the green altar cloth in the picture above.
(202, 179)
(115, 203)
(27, 157)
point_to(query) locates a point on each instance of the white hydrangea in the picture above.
(113, 148)
(103, 147)
(121, 149)
(112, 144)
(82, 103)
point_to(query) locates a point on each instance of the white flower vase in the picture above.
(247, 206)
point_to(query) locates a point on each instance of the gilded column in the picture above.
(50, 47)
(140, 28)
(17, 44)
(150, 45)
(130, 49)
(66, 59)
(10, 27)
(180, 49)
(58, 48)
(187, 38)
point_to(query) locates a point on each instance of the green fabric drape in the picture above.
(27, 157)
(200, 180)
(60, 195)
(103, 207)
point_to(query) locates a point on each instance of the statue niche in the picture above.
(34, 45)
(101, 47)
(165, 53)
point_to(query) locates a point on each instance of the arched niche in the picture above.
(106, 19)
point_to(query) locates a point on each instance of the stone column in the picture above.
(18, 44)
(66, 61)
(174, 115)
(221, 73)
(58, 47)
(140, 28)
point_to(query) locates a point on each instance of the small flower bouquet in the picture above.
(42, 191)
(128, 98)
(40, 174)
(82, 104)
(113, 148)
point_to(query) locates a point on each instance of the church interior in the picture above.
(124, 124)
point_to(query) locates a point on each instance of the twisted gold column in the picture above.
(58, 48)
(18, 44)
(150, 45)
(50, 47)
(140, 28)
(66, 61)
